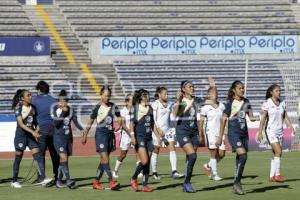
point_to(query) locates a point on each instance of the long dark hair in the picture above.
(231, 94)
(63, 94)
(138, 94)
(18, 97)
(270, 89)
(158, 90)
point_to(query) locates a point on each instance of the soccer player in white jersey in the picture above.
(273, 117)
(162, 111)
(125, 141)
(212, 113)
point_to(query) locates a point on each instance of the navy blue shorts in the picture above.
(105, 142)
(62, 145)
(238, 141)
(22, 140)
(142, 142)
(184, 139)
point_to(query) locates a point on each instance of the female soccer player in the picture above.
(142, 125)
(125, 142)
(187, 130)
(162, 117)
(273, 111)
(236, 109)
(213, 115)
(105, 114)
(27, 133)
(63, 114)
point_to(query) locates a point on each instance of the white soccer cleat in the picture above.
(140, 175)
(45, 181)
(115, 174)
(16, 185)
(216, 177)
(156, 176)
(176, 175)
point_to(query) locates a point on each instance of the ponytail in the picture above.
(17, 97)
(231, 93)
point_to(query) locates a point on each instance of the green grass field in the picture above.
(83, 170)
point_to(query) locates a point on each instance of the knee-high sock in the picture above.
(100, 172)
(107, 171)
(154, 158)
(16, 167)
(138, 170)
(213, 166)
(272, 169)
(277, 165)
(240, 167)
(173, 160)
(146, 169)
(64, 167)
(118, 165)
(191, 159)
(40, 165)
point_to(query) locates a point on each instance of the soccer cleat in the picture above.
(115, 174)
(176, 175)
(216, 177)
(114, 185)
(70, 183)
(207, 170)
(272, 179)
(187, 187)
(97, 185)
(15, 185)
(146, 188)
(237, 189)
(279, 179)
(59, 184)
(155, 176)
(44, 182)
(134, 185)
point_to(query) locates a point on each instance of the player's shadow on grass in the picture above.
(7, 180)
(83, 179)
(292, 180)
(216, 187)
(267, 188)
(249, 176)
(174, 185)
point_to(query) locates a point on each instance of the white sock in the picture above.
(173, 160)
(277, 165)
(272, 170)
(118, 165)
(213, 166)
(154, 162)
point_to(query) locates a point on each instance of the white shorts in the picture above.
(273, 137)
(211, 142)
(170, 136)
(125, 141)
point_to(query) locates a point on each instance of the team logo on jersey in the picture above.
(185, 139)
(109, 127)
(142, 143)
(108, 120)
(192, 111)
(148, 129)
(20, 145)
(242, 114)
(101, 146)
(67, 130)
(61, 149)
(148, 118)
(239, 144)
(67, 121)
(30, 119)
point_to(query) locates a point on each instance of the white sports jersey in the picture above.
(125, 113)
(161, 115)
(275, 116)
(213, 118)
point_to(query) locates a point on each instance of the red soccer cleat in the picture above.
(146, 188)
(279, 179)
(272, 179)
(97, 185)
(134, 184)
(114, 185)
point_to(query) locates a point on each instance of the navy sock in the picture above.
(146, 170)
(40, 165)
(240, 167)
(190, 166)
(106, 168)
(65, 169)
(16, 167)
(138, 170)
(100, 172)
(60, 173)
